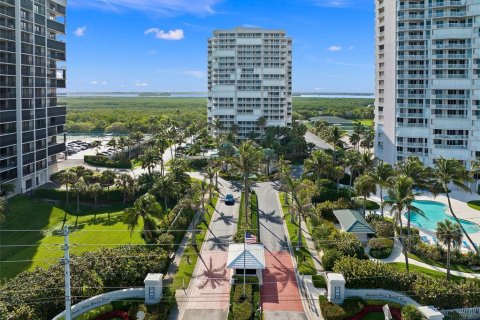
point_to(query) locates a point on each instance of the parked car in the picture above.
(229, 200)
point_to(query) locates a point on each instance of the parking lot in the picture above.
(78, 148)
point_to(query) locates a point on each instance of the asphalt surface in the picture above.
(319, 143)
(272, 232)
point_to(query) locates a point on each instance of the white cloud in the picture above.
(139, 83)
(80, 31)
(98, 82)
(194, 73)
(176, 34)
(334, 48)
(162, 7)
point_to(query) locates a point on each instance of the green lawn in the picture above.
(303, 256)
(190, 255)
(366, 122)
(455, 267)
(474, 204)
(428, 272)
(44, 247)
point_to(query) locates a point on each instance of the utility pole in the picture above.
(66, 262)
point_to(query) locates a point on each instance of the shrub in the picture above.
(319, 281)
(329, 258)
(384, 229)
(410, 312)
(380, 248)
(349, 308)
(242, 311)
(198, 164)
(102, 161)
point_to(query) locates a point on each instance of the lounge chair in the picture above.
(466, 245)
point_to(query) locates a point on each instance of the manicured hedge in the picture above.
(443, 294)
(244, 308)
(380, 248)
(348, 309)
(102, 161)
(319, 281)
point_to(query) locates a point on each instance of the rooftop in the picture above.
(248, 256)
(352, 221)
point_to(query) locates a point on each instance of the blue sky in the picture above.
(161, 45)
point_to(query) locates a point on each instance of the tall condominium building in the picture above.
(32, 56)
(427, 80)
(249, 77)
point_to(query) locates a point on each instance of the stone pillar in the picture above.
(335, 287)
(431, 313)
(153, 288)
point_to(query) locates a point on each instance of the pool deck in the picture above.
(459, 201)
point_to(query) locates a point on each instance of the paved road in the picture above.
(280, 295)
(208, 296)
(272, 232)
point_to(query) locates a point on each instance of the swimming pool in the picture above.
(435, 212)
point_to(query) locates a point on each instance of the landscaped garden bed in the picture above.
(245, 307)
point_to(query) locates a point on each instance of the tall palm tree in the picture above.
(355, 140)
(96, 145)
(216, 165)
(178, 172)
(337, 174)
(247, 163)
(302, 204)
(352, 161)
(381, 174)
(451, 171)
(318, 165)
(333, 135)
(164, 188)
(450, 234)
(416, 170)
(66, 178)
(161, 144)
(146, 208)
(95, 190)
(114, 144)
(210, 172)
(262, 123)
(400, 198)
(269, 155)
(366, 161)
(365, 185)
(79, 188)
(125, 182)
(107, 178)
(149, 159)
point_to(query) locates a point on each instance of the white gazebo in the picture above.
(248, 258)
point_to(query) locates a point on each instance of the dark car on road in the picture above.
(229, 200)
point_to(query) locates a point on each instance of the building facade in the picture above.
(427, 80)
(249, 77)
(32, 68)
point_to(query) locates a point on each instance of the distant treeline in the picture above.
(116, 114)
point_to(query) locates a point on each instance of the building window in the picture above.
(151, 292)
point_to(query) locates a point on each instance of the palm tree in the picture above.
(161, 144)
(365, 185)
(451, 235)
(302, 203)
(149, 159)
(107, 178)
(95, 190)
(216, 165)
(164, 188)
(66, 178)
(352, 160)
(6, 188)
(400, 198)
(96, 145)
(126, 183)
(79, 187)
(381, 174)
(318, 165)
(355, 140)
(366, 161)
(450, 171)
(146, 208)
(262, 123)
(210, 175)
(333, 136)
(247, 162)
(114, 144)
(269, 155)
(415, 169)
(178, 171)
(337, 174)
(3, 210)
